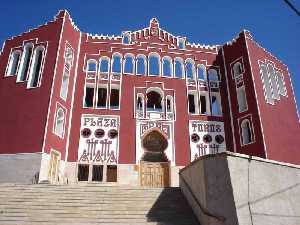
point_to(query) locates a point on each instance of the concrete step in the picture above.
(92, 204)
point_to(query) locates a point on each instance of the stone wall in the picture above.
(231, 189)
(20, 168)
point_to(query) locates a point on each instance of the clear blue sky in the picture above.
(273, 24)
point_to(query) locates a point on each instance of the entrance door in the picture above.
(154, 165)
(53, 167)
(154, 174)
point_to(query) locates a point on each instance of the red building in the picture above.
(81, 107)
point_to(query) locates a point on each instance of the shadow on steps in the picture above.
(171, 208)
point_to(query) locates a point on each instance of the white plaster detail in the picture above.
(95, 144)
(198, 130)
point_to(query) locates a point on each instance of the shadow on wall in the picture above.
(171, 207)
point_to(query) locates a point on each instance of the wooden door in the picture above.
(53, 167)
(154, 174)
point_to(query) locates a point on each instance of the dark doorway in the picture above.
(155, 166)
(83, 172)
(97, 173)
(111, 173)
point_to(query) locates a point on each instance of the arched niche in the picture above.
(154, 144)
(154, 99)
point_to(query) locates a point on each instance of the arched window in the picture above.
(167, 67)
(190, 69)
(91, 66)
(13, 64)
(169, 104)
(126, 38)
(179, 69)
(59, 122)
(140, 103)
(246, 132)
(154, 101)
(213, 75)
(237, 69)
(25, 62)
(128, 64)
(116, 64)
(154, 64)
(36, 66)
(104, 64)
(201, 72)
(141, 65)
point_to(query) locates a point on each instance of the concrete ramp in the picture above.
(235, 189)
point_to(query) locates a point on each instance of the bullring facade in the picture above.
(136, 108)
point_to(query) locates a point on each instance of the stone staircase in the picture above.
(85, 204)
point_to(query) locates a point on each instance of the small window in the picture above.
(154, 65)
(102, 97)
(128, 64)
(116, 64)
(104, 65)
(140, 104)
(13, 64)
(201, 70)
(65, 84)
(141, 65)
(215, 106)
(69, 55)
(237, 69)
(190, 69)
(193, 103)
(246, 132)
(89, 96)
(169, 104)
(126, 39)
(242, 100)
(167, 67)
(203, 104)
(213, 75)
(179, 69)
(25, 63)
(59, 122)
(181, 43)
(83, 172)
(91, 66)
(35, 69)
(114, 98)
